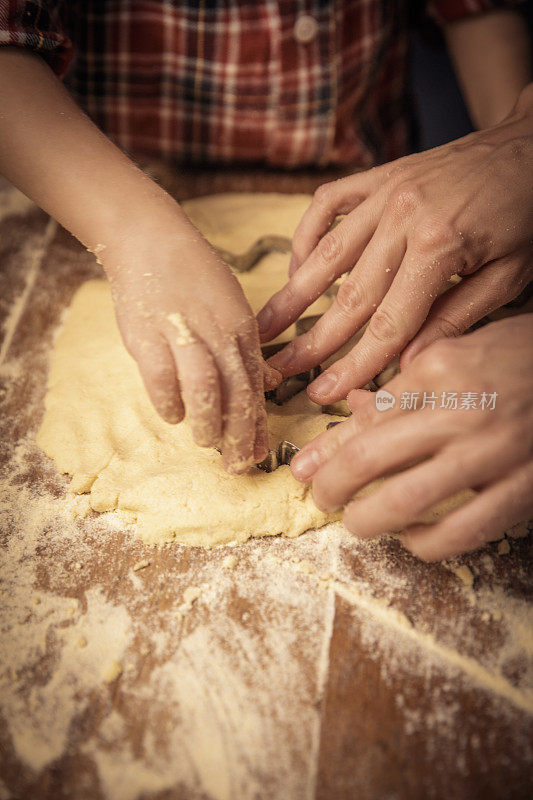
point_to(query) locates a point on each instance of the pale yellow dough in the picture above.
(100, 426)
(235, 221)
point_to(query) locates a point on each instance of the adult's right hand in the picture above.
(465, 208)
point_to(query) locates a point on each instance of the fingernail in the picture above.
(305, 464)
(272, 379)
(170, 416)
(324, 385)
(264, 319)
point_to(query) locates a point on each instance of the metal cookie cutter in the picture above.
(271, 243)
(282, 455)
(243, 262)
(287, 389)
(290, 387)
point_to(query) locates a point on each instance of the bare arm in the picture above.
(53, 152)
(492, 58)
(159, 266)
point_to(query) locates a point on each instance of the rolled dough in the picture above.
(100, 426)
(234, 221)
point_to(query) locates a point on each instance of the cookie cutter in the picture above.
(284, 453)
(243, 262)
(281, 456)
(270, 243)
(290, 387)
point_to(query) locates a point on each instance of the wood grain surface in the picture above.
(322, 667)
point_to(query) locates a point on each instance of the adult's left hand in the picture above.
(464, 208)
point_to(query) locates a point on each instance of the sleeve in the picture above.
(443, 11)
(37, 26)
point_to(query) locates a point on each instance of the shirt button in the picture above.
(305, 29)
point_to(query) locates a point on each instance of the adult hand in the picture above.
(441, 451)
(464, 208)
(185, 320)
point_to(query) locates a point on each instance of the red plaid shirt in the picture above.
(287, 83)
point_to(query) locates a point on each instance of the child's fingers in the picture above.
(156, 365)
(239, 409)
(484, 518)
(261, 444)
(254, 364)
(271, 377)
(199, 382)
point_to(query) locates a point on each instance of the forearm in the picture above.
(492, 58)
(52, 152)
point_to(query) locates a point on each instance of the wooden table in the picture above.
(322, 667)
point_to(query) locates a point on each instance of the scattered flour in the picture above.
(230, 695)
(14, 203)
(504, 547)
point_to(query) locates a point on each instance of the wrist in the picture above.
(134, 226)
(157, 237)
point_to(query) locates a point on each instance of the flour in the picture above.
(131, 460)
(141, 565)
(183, 335)
(39, 717)
(190, 595)
(228, 726)
(17, 309)
(504, 548)
(13, 203)
(464, 574)
(230, 693)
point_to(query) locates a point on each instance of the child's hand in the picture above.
(182, 314)
(185, 320)
(465, 208)
(489, 450)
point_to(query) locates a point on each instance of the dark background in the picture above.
(440, 111)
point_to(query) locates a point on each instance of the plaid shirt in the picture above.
(284, 83)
